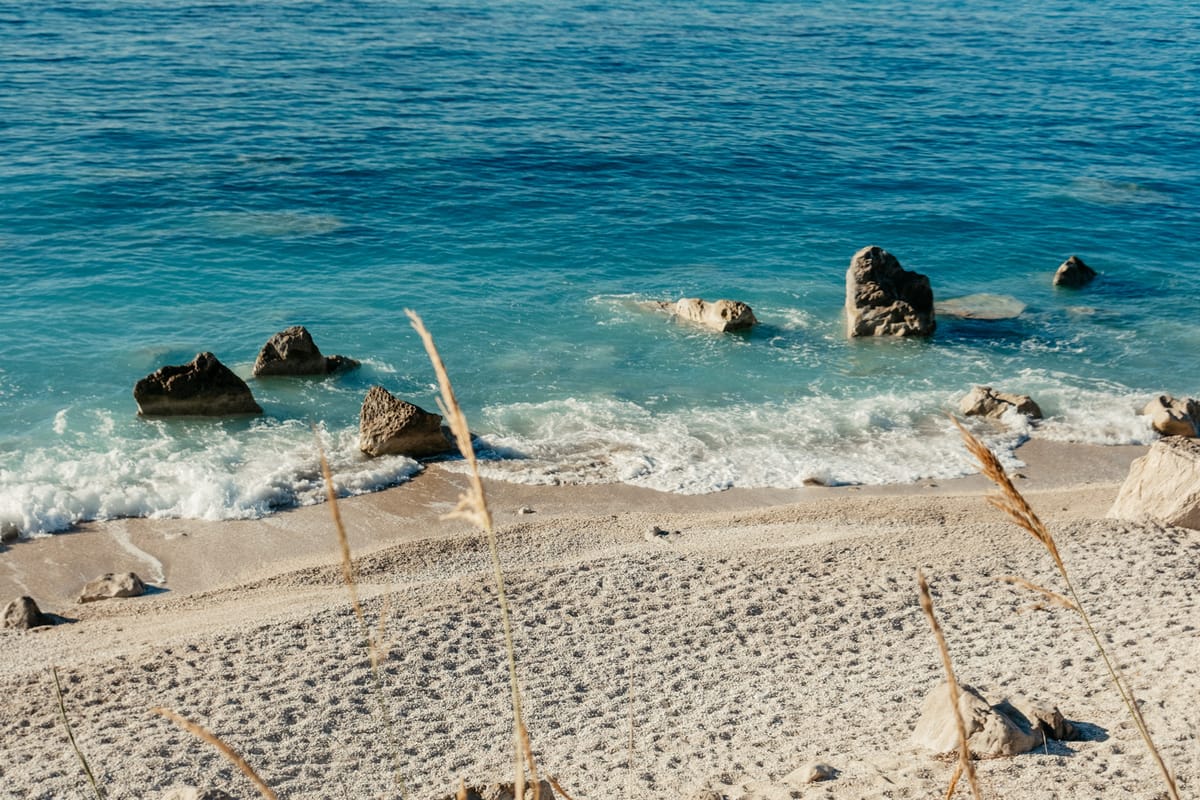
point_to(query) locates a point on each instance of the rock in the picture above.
(981, 306)
(722, 315)
(292, 351)
(23, 614)
(984, 401)
(1163, 485)
(205, 387)
(1172, 417)
(884, 299)
(1041, 718)
(523, 510)
(9, 532)
(990, 733)
(388, 425)
(812, 773)
(192, 793)
(1073, 273)
(109, 585)
(504, 791)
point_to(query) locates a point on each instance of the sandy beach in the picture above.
(766, 630)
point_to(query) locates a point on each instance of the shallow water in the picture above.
(183, 178)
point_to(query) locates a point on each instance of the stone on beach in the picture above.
(9, 532)
(204, 387)
(984, 401)
(390, 426)
(23, 614)
(990, 733)
(1039, 717)
(1073, 273)
(1163, 485)
(884, 299)
(1172, 417)
(110, 585)
(292, 351)
(721, 315)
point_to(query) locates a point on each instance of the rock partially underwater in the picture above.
(884, 299)
(292, 351)
(390, 426)
(204, 387)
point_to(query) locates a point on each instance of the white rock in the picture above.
(1163, 485)
(989, 733)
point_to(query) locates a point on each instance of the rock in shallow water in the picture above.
(984, 401)
(884, 299)
(204, 387)
(721, 315)
(390, 426)
(988, 307)
(292, 351)
(1073, 273)
(1172, 417)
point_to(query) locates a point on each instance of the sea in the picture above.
(179, 176)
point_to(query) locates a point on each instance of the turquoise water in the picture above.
(178, 177)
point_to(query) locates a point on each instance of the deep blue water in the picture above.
(178, 177)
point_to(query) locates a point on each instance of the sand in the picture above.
(767, 630)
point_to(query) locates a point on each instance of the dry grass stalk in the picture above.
(964, 752)
(373, 649)
(1012, 503)
(62, 709)
(558, 789)
(222, 748)
(1054, 598)
(472, 507)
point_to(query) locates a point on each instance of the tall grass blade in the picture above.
(224, 749)
(83, 762)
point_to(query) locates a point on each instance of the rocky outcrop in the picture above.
(23, 614)
(884, 299)
(388, 425)
(1073, 273)
(1172, 417)
(984, 401)
(990, 733)
(1163, 485)
(109, 585)
(205, 387)
(722, 315)
(292, 351)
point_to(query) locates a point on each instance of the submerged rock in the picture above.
(292, 351)
(988, 307)
(1172, 417)
(1163, 485)
(984, 401)
(1073, 273)
(204, 387)
(721, 315)
(112, 584)
(23, 614)
(388, 425)
(884, 299)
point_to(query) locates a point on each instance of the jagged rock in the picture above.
(123, 584)
(192, 793)
(1042, 718)
(9, 532)
(1073, 273)
(23, 614)
(388, 425)
(722, 315)
(990, 733)
(292, 351)
(884, 299)
(1172, 417)
(984, 401)
(980, 306)
(205, 387)
(1163, 485)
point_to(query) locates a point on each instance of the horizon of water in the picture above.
(180, 178)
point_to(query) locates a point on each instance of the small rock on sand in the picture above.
(23, 614)
(109, 585)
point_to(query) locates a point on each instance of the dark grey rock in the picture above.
(23, 614)
(1073, 273)
(205, 387)
(9, 532)
(292, 351)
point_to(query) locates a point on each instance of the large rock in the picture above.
(23, 614)
(1073, 273)
(388, 425)
(990, 733)
(292, 351)
(109, 585)
(1163, 485)
(884, 299)
(984, 401)
(1172, 417)
(205, 387)
(722, 315)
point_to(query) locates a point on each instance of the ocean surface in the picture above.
(178, 177)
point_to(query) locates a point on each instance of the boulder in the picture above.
(722, 315)
(205, 387)
(990, 733)
(1073, 273)
(388, 425)
(292, 351)
(109, 585)
(23, 614)
(984, 401)
(884, 299)
(1163, 485)
(1172, 417)
(9, 532)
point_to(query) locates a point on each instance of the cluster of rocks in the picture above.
(24, 614)
(1013, 726)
